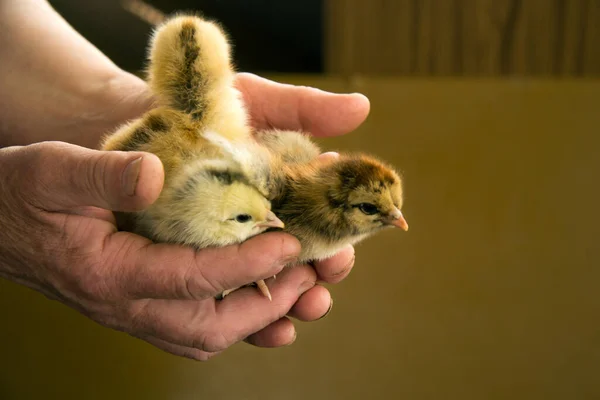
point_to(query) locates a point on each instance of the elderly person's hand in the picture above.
(59, 237)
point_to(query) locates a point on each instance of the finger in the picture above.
(182, 351)
(214, 326)
(64, 176)
(252, 312)
(282, 106)
(165, 271)
(336, 268)
(312, 305)
(280, 333)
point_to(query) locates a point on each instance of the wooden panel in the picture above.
(339, 56)
(570, 58)
(492, 294)
(591, 52)
(464, 37)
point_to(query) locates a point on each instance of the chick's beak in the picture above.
(397, 219)
(272, 221)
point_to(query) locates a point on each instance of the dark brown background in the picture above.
(492, 294)
(464, 37)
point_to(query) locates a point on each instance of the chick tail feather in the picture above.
(191, 71)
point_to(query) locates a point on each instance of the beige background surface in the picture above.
(492, 294)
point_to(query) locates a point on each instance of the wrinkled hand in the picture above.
(57, 237)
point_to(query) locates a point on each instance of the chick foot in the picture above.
(261, 285)
(264, 289)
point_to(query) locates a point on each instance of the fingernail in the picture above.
(293, 339)
(289, 260)
(329, 155)
(351, 262)
(305, 286)
(346, 268)
(328, 310)
(131, 176)
(285, 261)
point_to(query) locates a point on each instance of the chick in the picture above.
(209, 204)
(330, 204)
(212, 194)
(221, 178)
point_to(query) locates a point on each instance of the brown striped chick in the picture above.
(212, 194)
(329, 204)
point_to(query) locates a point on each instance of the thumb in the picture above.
(64, 176)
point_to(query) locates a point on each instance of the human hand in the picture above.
(60, 240)
(58, 237)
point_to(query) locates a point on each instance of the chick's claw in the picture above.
(261, 285)
(226, 292)
(264, 289)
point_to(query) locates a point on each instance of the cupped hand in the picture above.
(59, 238)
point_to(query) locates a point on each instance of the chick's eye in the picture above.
(368, 208)
(243, 218)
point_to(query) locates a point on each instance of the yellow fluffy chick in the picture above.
(212, 195)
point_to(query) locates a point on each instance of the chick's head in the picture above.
(215, 204)
(369, 194)
(245, 212)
